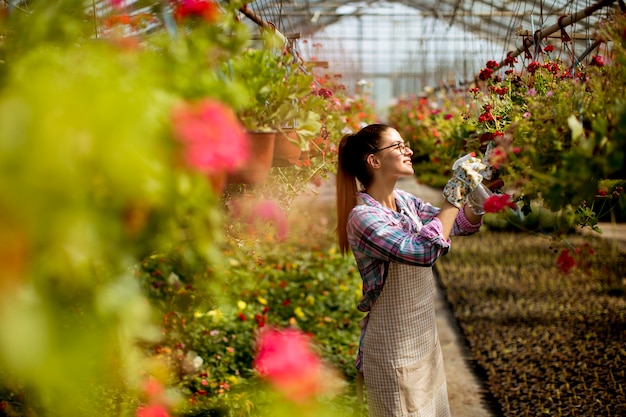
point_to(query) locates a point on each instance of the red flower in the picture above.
(491, 64)
(498, 202)
(324, 92)
(510, 61)
(597, 61)
(213, 139)
(533, 66)
(565, 261)
(485, 74)
(260, 319)
(549, 48)
(485, 117)
(204, 9)
(286, 360)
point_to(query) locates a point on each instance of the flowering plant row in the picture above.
(558, 131)
(115, 127)
(281, 335)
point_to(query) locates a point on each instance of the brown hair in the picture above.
(352, 166)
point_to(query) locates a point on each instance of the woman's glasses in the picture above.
(402, 147)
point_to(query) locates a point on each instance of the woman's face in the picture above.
(394, 154)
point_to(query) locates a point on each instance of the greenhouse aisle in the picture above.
(464, 388)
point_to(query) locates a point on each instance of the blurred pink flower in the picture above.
(213, 139)
(498, 202)
(498, 157)
(262, 212)
(117, 4)
(153, 389)
(286, 360)
(153, 410)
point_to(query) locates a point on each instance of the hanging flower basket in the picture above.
(257, 168)
(286, 149)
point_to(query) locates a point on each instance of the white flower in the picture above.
(173, 279)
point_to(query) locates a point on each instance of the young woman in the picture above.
(396, 238)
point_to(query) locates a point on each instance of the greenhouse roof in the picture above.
(404, 46)
(502, 22)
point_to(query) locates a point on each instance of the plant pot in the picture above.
(286, 152)
(258, 166)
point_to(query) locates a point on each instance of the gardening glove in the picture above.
(465, 178)
(476, 199)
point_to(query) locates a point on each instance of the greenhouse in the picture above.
(312, 208)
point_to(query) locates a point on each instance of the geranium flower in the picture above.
(213, 139)
(510, 61)
(497, 203)
(549, 48)
(485, 74)
(597, 61)
(204, 9)
(565, 261)
(533, 66)
(492, 64)
(485, 117)
(286, 360)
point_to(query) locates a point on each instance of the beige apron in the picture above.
(402, 361)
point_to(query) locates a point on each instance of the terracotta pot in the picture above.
(258, 166)
(286, 152)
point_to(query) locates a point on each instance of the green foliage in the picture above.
(315, 291)
(558, 131)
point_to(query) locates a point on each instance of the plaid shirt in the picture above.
(412, 235)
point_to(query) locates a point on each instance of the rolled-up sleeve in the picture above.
(463, 227)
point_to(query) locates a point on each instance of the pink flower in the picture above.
(213, 139)
(153, 389)
(153, 410)
(117, 4)
(260, 213)
(565, 261)
(498, 202)
(285, 359)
